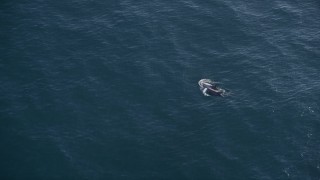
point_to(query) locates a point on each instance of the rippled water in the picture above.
(108, 89)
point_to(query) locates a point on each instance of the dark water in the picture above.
(108, 89)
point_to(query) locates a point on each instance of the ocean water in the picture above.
(94, 89)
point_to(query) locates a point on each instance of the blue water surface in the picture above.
(108, 89)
